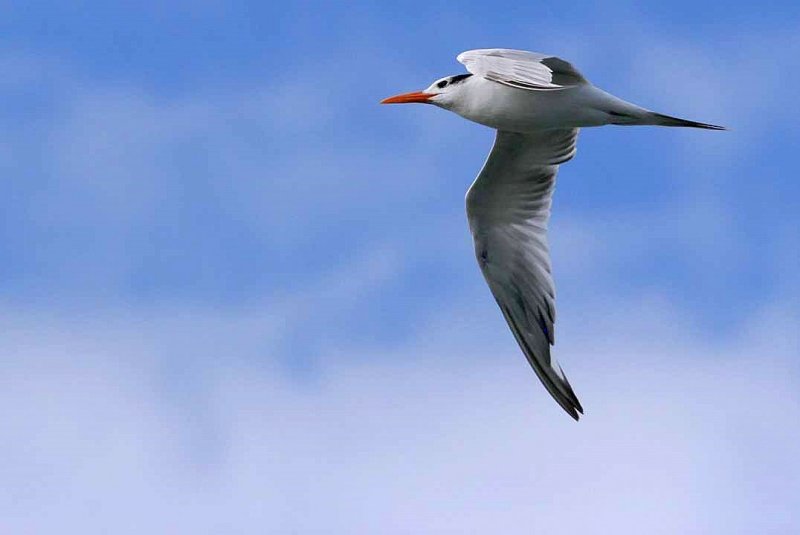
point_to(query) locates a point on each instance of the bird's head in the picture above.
(444, 92)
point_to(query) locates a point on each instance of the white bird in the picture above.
(537, 103)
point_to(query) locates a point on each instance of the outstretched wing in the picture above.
(521, 69)
(508, 207)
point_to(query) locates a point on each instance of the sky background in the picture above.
(239, 296)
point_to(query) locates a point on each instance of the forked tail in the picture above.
(666, 120)
(633, 115)
(621, 112)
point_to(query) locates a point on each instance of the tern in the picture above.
(536, 102)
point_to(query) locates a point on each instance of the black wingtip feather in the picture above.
(567, 398)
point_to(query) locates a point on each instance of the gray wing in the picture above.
(521, 69)
(508, 207)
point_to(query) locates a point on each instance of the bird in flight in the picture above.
(537, 103)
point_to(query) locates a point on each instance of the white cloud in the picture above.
(438, 435)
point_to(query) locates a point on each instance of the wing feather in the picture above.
(521, 69)
(508, 207)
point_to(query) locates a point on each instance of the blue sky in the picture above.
(239, 296)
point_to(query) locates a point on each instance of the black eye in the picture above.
(441, 84)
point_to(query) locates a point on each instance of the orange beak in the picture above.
(405, 98)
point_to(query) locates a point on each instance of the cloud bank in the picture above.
(160, 423)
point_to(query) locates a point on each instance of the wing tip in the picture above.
(573, 408)
(554, 380)
(571, 404)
